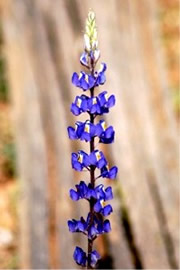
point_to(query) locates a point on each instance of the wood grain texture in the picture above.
(30, 144)
(43, 41)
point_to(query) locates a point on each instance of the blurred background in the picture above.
(40, 45)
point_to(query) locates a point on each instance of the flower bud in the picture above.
(90, 36)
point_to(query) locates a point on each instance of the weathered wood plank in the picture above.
(43, 43)
(163, 121)
(30, 144)
(54, 116)
(121, 46)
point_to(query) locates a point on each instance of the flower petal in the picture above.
(113, 172)
(80, 256)
(74, 109)
(72, 133)
(106, 226)
(72, 225)
(74, 195)
(97, 206)
(108, 193)
(111, 101)
(107, 210)
(94, 258)
(84, 59)
(75, 79)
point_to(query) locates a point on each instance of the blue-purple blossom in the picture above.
(80, 256)
(109, 173)
(105, 134)
(96, 158)
(77, 225)
(83, 131)
(105, 194)
(93, 229)
(79, 105)
(79, 160)
(84, 191)
(100, 75)
(96, 105)
(84, 58)
(106, 101)
(86, 81)
(86, 131)
(94, 258)
(95, 162)
(105, 211)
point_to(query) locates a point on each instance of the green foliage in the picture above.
(9, 157)
(176, 101)
(3, 81)
(13, 262)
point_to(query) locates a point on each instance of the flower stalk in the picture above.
(88, 131)
(92, 180)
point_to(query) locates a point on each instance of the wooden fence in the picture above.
(43, 41)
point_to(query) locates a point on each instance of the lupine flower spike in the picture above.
(96, 222)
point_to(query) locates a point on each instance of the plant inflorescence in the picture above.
(96, 222)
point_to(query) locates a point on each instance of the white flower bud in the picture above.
(87, 43)
(90, 37)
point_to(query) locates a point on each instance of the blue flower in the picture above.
(106, 226)
(87, 81)
(90, 228)
(94, 258)
(91, 193)
(84, 131)
(105, 194)
(106, 135)
(100, 76)
(88, 131)
(97, 159)
(97, 195)
(85, 57)
(109, 173)
(77, 225)
(103, 226)
(72, 133)
(80, 193)
(105, 211)
(87, 192)
(101, 104)
(105, 101)
(98, 227)
(84, 81)
(80, 256)
(74, 195)
(80, 105)
(83, 192)
(94, 105)
(79, 160)
(92, 232)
